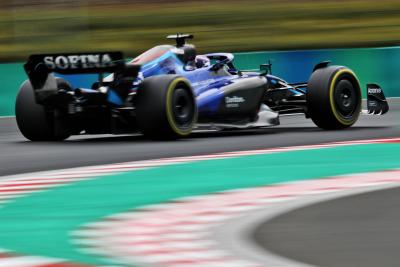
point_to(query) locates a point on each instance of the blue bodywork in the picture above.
(205, 82)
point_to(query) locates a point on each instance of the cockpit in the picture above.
(169, 59)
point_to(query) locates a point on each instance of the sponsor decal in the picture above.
(234, 101)
(374, 90)
(88, 61)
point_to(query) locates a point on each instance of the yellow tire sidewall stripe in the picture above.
(169, 111)
(331, 96)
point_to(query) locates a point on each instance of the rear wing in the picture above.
(39, 67)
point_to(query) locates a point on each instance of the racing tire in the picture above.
(35, 121)
(333, 98)
(166, 107)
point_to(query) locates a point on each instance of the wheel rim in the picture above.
(183, 107)
(346, 98)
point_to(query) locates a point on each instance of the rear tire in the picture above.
(166, 107)
(334, 98)
(35, 121)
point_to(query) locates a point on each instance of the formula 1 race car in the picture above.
(168, 91)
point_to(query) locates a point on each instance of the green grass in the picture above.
(218, 25)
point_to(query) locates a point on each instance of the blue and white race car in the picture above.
(169, 90)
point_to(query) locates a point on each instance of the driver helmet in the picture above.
(202, 61)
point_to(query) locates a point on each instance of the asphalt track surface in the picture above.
(17, 155)
(359, 230)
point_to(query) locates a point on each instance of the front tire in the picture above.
(166, 107)
(334, 98)
(35, 121)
